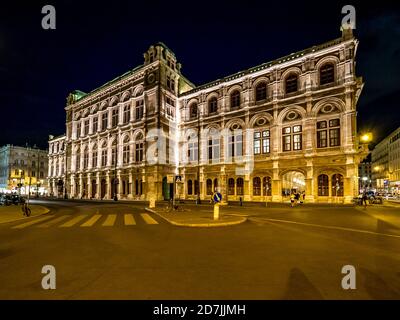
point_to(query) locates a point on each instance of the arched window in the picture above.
(256, 186)
(190, 187)
(337, 185)
(327, 73)
(215, 185)
(231, 186)
(291, 83)
(239, 186)
(267, 186)
(235, 99)
(193, 110)
(212, 105)
(261, 91)
(323, 185)
(209, 187)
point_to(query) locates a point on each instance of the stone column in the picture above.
(222, 186)
(98, 185)
(89, 187)
(310, 185)
(108, 187)
(276, 183)
(80, 185)
(247, 188)
(130, 184)
(119, 188)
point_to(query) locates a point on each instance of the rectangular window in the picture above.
(114, 117)
(322, 139)
(78, 129)
(266, 141)
(287, 145)
(139, 110)
(104, 121)
(103, 158)
(125, 154)
(192, 151)
(41, 174)
(94, 159)
(139, 152)
(33, 174)
(127, 113)
(297, 142)
(235, 146)
(95, 124)
(213, 149)
(334, 137)
(86, 127)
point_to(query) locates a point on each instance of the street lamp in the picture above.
(366, 137)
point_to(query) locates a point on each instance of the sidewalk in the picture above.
(13, 213)
(199, 217)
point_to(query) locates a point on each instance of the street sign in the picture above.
(217, 197)
(178, 179)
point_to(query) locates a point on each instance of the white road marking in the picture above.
(148, 219)
(129, 220)
(110, 220)
(330, 227)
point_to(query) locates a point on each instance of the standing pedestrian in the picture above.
(292, 200)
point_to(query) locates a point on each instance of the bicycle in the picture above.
(26, 211)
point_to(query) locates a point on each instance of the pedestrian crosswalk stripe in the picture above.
(73, 221)
(91, 221)
(30, 223)
(110, 220)
(148, 218)
(129, 220)
(53, 222)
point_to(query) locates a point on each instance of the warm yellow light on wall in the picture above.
(376, 168)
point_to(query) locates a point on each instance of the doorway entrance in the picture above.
(103, 187)
(167, 189)
(293, 182)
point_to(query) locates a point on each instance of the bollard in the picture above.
(216, 211)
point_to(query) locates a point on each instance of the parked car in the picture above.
(5, 200)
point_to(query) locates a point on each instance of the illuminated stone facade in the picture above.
(283, 126)
(23, 169)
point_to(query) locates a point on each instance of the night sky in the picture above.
(95, 42)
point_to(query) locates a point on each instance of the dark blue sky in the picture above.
(95, 42)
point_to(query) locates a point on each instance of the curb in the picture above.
(47, 210)
(198, 225)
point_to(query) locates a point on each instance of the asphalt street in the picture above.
(120, 251)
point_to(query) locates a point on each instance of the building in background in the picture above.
(386, 164)
(23, 170)
(365, 175)
(288, 125)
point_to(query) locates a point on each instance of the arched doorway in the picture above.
(293, 182)
(103, 187)
(94, 188)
